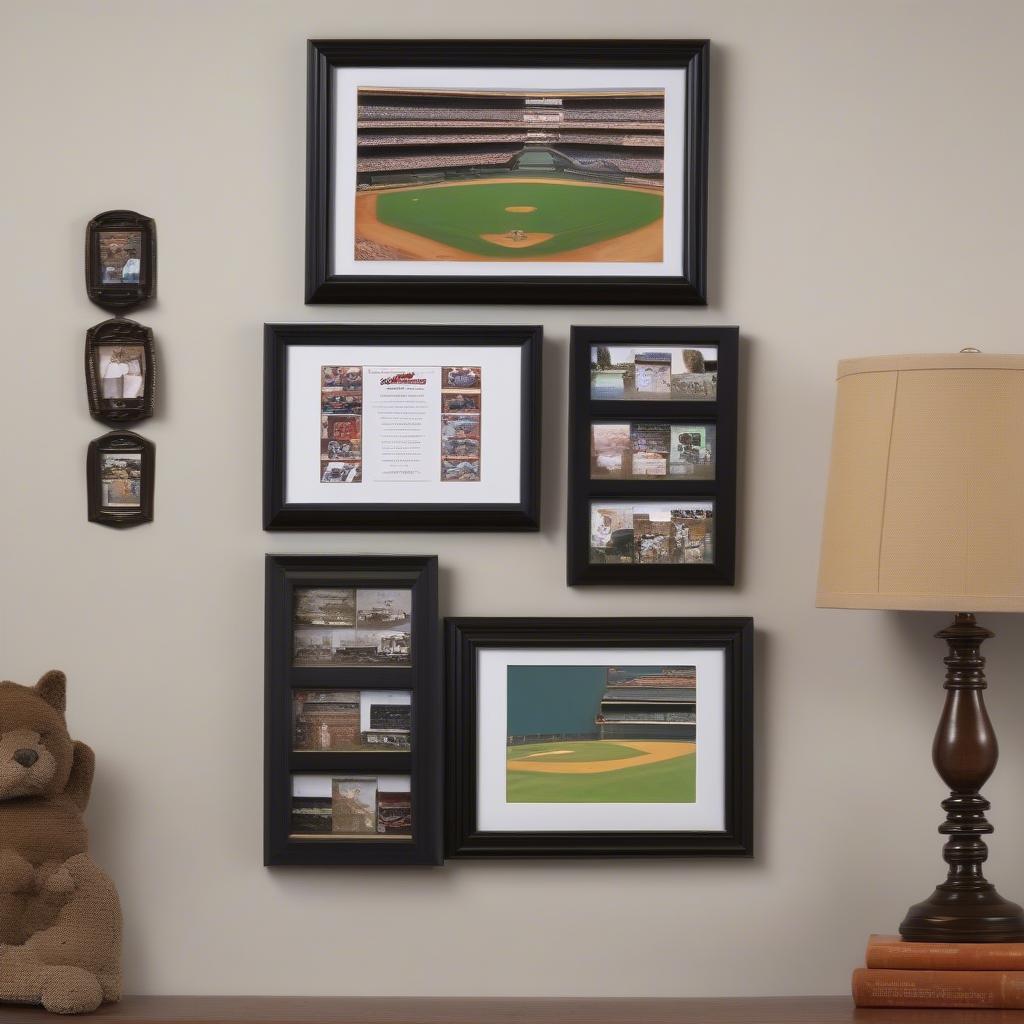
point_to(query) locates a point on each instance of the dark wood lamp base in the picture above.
(965, 907)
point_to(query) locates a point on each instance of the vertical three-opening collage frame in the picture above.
(637, 383)
(377, 737)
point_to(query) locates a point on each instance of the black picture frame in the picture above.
(116, 296)
(119, 331)
(466, 637)
(120, 442)
(585, 410)
(279, 514)
(323, 286)
(423, 763)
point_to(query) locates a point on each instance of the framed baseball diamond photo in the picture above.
(353, 762)
(370, 427)
(652, 455)
(517, 171)
(601, 737)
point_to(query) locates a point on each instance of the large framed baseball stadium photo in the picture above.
(375, 427)
(601, 737)
(517, 171)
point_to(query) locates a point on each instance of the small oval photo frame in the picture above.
(120, 474)
(120, 259)
(120, 371)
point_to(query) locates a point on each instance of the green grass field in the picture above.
(673, 781)
(458, 215)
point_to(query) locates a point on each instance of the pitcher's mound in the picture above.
(520, 209)
(518, 239)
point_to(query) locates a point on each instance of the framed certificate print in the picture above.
(370, 427)
(599, 737)
(531, 171)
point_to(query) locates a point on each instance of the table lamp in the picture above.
(925, 512)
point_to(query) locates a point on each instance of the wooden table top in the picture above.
(288, 1010)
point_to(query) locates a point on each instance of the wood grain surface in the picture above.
(286, 1010)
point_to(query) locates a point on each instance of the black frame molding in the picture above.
(322, 285)
(423, 763)
(115, 297)
(465, 637)
(278, 514)
(722, 412)
(124, 442)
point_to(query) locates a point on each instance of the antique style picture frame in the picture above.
(652, 455)
(353, 711)
(120, 371)
(401, 427)
(120, 468)
(599, 737)
(520, 171)
(120, 259)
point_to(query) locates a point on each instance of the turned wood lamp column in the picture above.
(925, 511)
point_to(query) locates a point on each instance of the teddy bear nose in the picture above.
(25, 757)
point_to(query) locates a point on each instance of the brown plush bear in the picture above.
(60, 920)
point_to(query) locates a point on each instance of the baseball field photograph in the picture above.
(573, 175)
(599, 734)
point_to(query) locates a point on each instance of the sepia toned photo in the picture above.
(379, 633)
(640, 451)
(120, 256)
(677, 532)
(507, 174)
(340, 807)
(120, 372)
(597, 734)
(328, 606)
(663, 374)
(121, 479)
(354, 806)
(609, 451)
(351, 720)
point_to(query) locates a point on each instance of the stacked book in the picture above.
(924, 974)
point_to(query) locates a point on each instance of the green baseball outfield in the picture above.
(602, 771)
(515, 220)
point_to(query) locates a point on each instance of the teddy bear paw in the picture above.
(71, 990)
(58, 882)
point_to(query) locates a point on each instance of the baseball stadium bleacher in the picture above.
(411, 137)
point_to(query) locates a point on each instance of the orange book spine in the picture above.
(890, 952)
(997, 990)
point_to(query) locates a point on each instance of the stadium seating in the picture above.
(401, 137)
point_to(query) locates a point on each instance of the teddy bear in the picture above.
(60, 919)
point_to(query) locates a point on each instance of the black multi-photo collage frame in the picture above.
(652, 455)
(353, 711)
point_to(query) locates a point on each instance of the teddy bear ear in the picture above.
(52, 688)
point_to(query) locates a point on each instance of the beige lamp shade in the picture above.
(925, 506)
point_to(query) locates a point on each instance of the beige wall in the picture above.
(866, 198)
